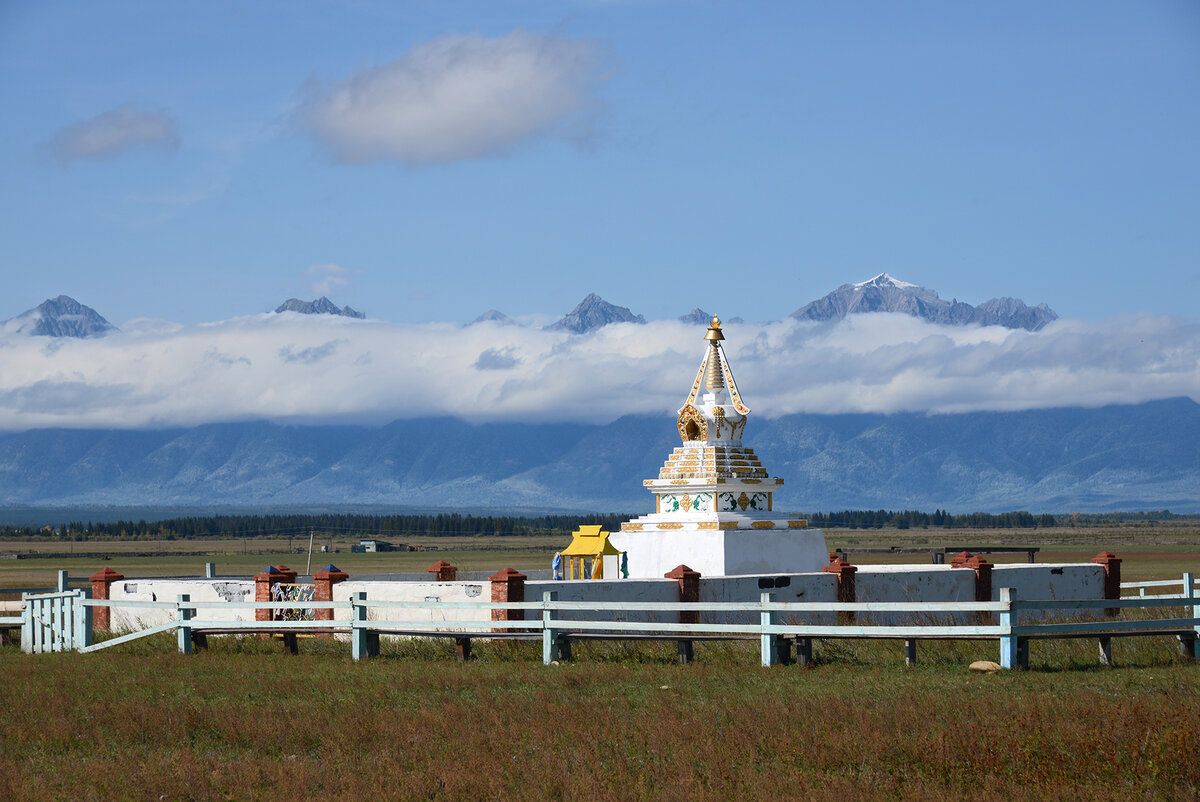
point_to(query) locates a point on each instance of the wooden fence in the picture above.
(61, 621)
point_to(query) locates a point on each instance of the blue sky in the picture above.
(425, 161)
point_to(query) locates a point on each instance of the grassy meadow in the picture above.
(244, 720)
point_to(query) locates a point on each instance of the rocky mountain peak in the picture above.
(592, 313)
(321, 306)
(60, 317)
(887, 294)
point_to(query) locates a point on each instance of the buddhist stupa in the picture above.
(714, 503)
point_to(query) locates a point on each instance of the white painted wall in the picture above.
(806, 587)
(872, 583)
(200, 590)
(625, 590)
(1051, 581)
(715, 552)
(420, 591)
(902, 583)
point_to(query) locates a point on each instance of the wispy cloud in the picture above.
(113, 132)
(327, 279)
(327, 368)
(456, 98)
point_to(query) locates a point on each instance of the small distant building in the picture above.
(371, 546)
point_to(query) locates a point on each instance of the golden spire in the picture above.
(714, 331)
(714, 377)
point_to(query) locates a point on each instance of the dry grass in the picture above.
(623, 722)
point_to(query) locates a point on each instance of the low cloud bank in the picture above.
(310, 369)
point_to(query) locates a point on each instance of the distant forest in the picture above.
(446, 525)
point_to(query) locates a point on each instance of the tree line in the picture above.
(382, 527)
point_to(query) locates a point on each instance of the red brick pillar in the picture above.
(508, 586)
(101, 583)
(323, 582)
(263, 581)
(444, 570)
(960, 559)
(1112, 577)
(845, 583)
(983, 579)
(689, 591)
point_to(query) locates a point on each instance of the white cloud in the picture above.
(329, 278)
(456, 98)
(114, 132)
(327, 368)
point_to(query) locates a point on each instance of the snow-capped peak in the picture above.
(883, 279)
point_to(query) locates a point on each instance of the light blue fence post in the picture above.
(1008, 619)
(83, 619)
(184, 613)
(358, 637)
(549, 633)
(770, 650)
(27, 626)
(1191, 646)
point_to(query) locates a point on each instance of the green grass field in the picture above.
(245, 721)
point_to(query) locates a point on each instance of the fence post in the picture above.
(83, 619)
(184, 613)
(64, 581)
(768, 645)
(549, 634)
(27, 626)
(689, 591)
(1008, 619)
(210, 570)
(443, 571)
(1190, 646)
(844, 572)
(507, 586)
(1112, 578)
(359, 625)
(102, 582)
(323, 582)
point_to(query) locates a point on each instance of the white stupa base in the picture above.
(722, 552)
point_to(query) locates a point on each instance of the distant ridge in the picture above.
(592, 313)
(60, 317)
(321, 306)
(491, 316)
(886, 294)
(1129, 457)
(697, 317)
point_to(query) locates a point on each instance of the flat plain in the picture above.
(246, 721)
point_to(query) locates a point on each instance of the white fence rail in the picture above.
(61, 621)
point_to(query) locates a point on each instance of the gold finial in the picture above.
(714, 330)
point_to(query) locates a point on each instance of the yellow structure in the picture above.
(585, 556)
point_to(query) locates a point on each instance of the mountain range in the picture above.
(1055, 460)
(886, 294)
(321, 306)
(66, 317)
